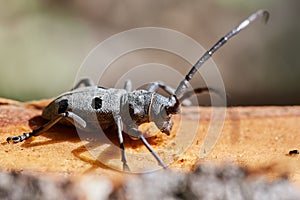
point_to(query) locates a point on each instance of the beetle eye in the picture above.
(62, 106)
(97, 103)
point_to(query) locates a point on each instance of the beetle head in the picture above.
(161, 111)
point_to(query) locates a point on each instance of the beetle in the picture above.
(124, 107)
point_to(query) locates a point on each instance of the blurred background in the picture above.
(43, 43)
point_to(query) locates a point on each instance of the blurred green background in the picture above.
(43, 43)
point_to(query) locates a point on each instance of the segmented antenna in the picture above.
(185, 83)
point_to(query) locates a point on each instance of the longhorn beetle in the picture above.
(118, 107)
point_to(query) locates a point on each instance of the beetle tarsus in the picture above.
(126, 167)
(17, 139)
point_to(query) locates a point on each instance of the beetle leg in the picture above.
(154, 86)
(85, 82)
(136, 133)
(197, 91)
(128, 85)
(74, 119)
(120, 136)
(67, 115)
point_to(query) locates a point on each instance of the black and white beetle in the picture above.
(118, 107)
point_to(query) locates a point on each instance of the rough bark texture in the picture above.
(58, 164)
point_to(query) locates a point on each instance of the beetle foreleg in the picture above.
(139, 135)
(120, 136)
(68, 115)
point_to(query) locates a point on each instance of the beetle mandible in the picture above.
(118, 107)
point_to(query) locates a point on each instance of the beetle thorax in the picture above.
(141, 106)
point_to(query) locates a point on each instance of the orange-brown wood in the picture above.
(258, 138)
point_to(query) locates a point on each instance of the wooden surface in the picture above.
(258, 138)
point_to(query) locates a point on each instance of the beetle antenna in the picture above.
(185, 82)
